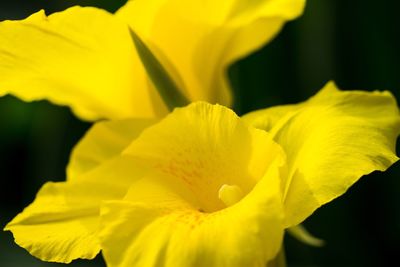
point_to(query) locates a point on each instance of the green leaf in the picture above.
(160, 78)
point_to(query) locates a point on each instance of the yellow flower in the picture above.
(203, 187)
(85, 57)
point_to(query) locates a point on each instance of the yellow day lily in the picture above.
(84, 57)
(203, 187)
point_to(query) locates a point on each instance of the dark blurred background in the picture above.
(356, 43)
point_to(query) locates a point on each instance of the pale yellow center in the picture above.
(230, 194)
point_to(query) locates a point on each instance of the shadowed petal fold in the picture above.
(104, 141)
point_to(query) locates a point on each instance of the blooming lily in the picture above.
(204, 187)
(85, 57)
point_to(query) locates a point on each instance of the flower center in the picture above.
(230, 194)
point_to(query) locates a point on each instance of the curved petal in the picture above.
(62, 223)
(201, 38)
(331, 141)
(156, 225)
(269, 118)
(81, 57)
(206, 146)
(53, 230)
(104, 141)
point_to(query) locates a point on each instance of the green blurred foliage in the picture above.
(356, 43)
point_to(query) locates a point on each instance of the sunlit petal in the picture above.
(83, 58)
(331, 141)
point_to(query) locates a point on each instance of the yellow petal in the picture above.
(81, 57)
(267, 119)
(62, 223)
(206, 146)
(104, 141)
(53, 229)
(157, 225)
(201, 38)
(331, 141)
